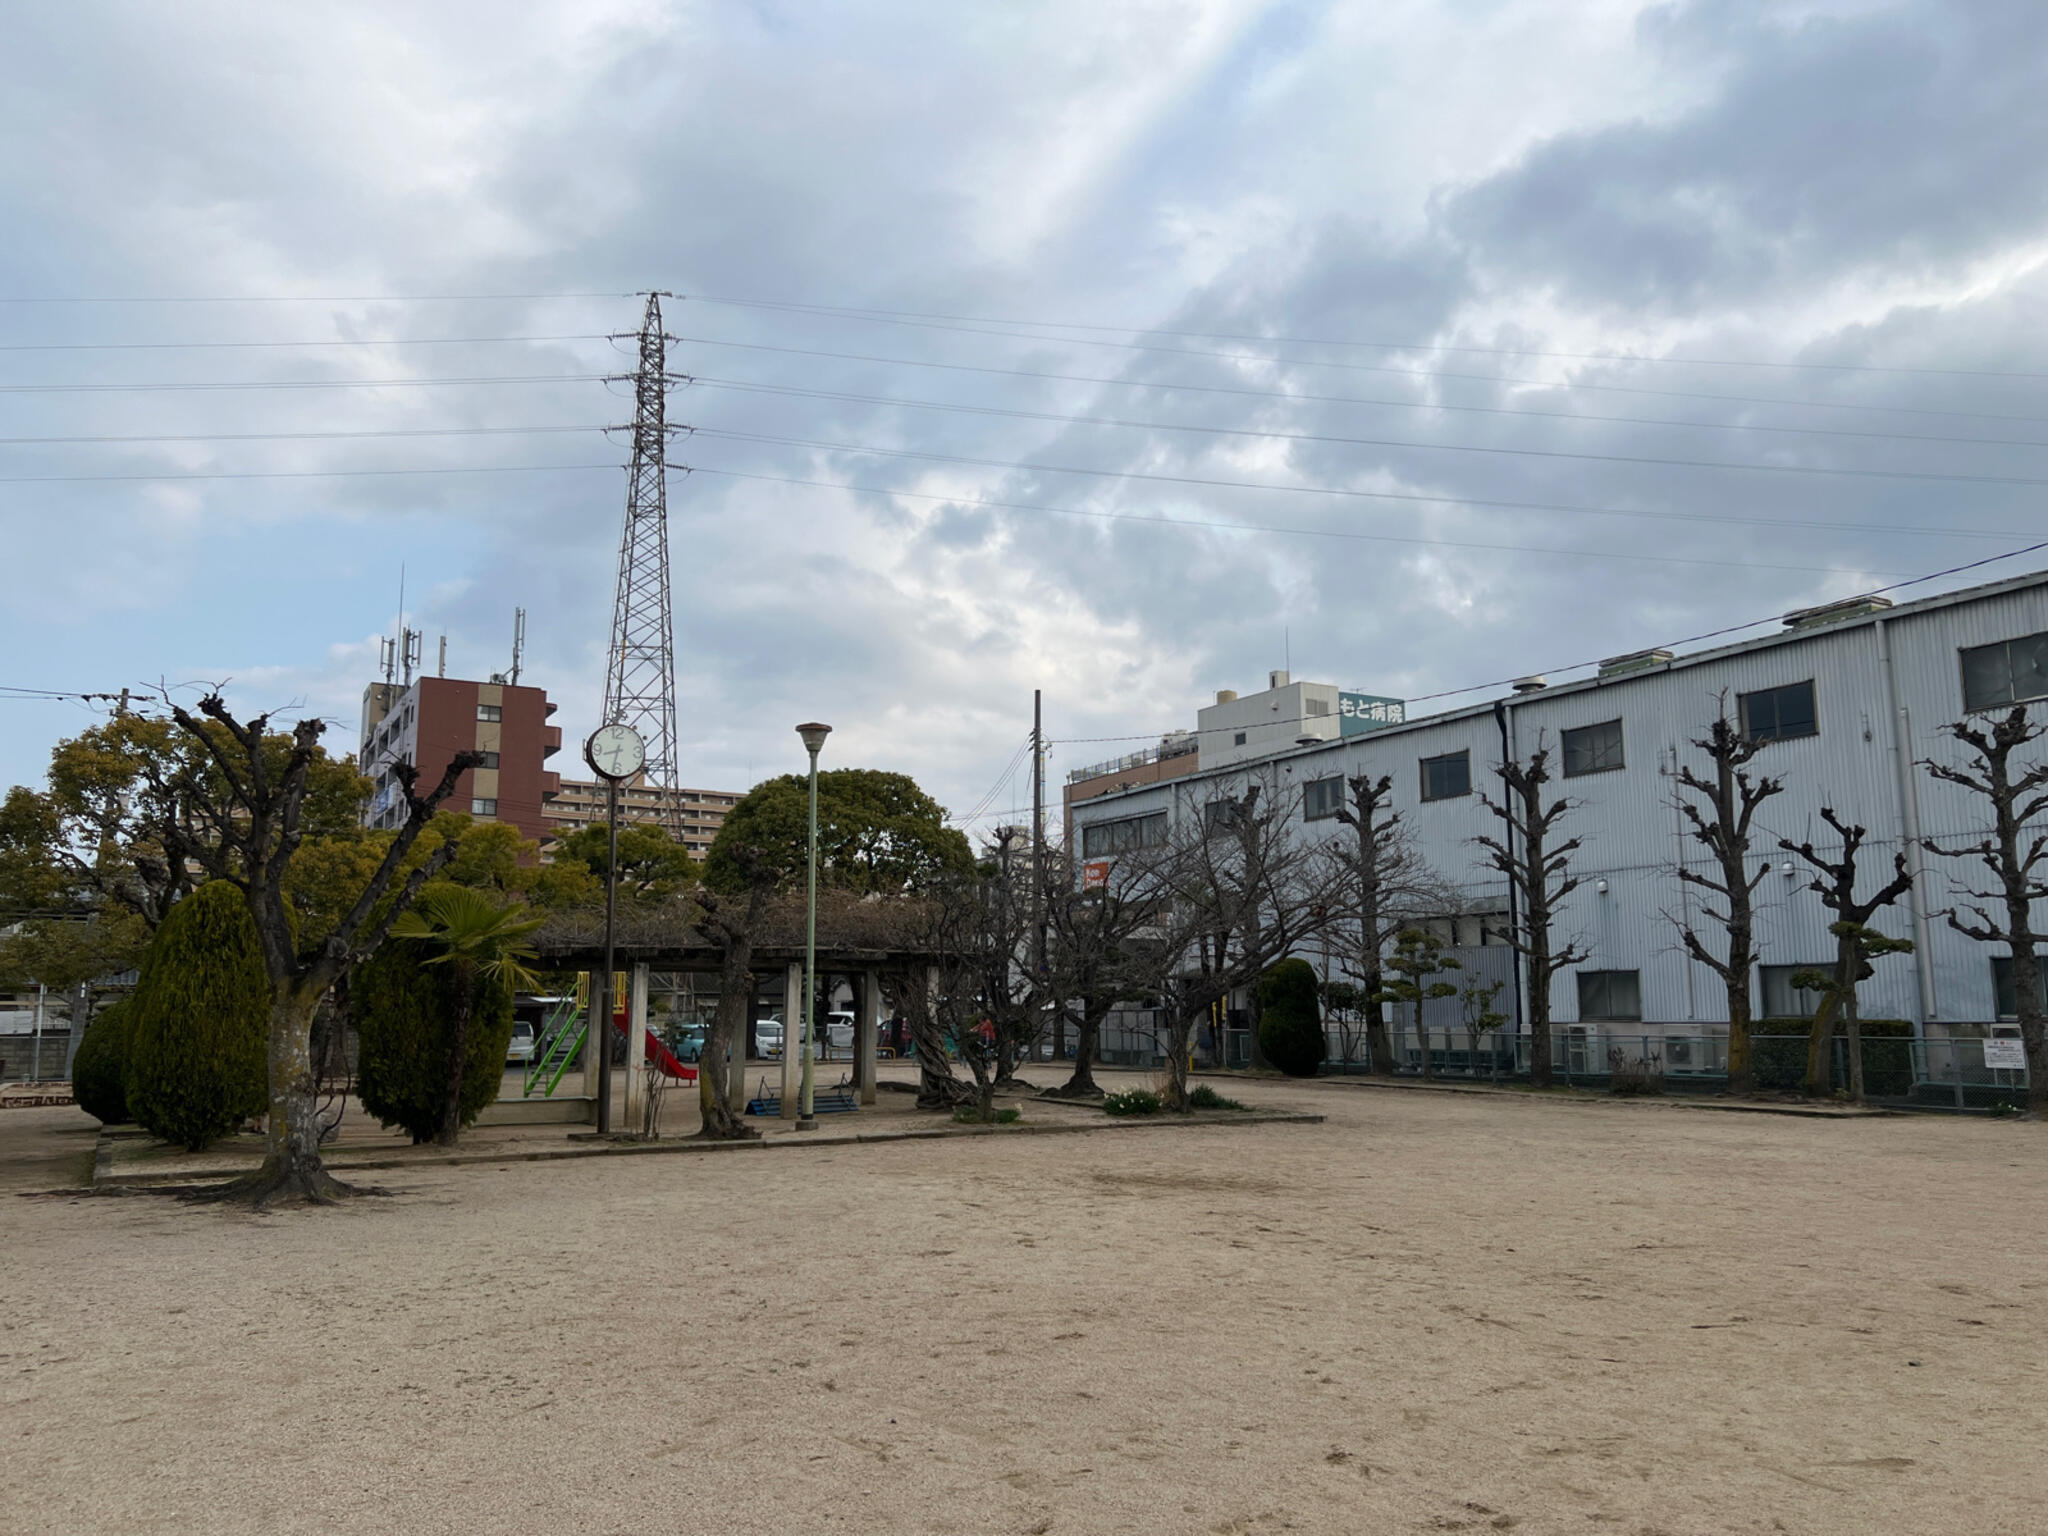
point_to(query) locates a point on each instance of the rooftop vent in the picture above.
(1835, 613)
(1536, 682)
(1226, 695)
(1278, 679)
(1634, 661)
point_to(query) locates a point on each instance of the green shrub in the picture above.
(969, 1114)
(1777, 1055)
(404, 1014)
(1290, 1028)
(99, 1071)
(198, 1022)
(1132, 1101)
(1205, 1097)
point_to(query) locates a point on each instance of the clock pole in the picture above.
(611, 909)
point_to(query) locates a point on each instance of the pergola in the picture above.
(857, 939)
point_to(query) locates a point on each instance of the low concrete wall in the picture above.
(562, 1109)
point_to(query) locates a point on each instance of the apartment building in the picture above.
(581, 803)
(426, 722)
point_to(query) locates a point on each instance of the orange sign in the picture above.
(1095, 876)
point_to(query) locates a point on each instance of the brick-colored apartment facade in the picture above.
(432, 719)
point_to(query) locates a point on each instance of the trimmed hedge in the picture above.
(99, 1071)
(1780, 1064)
(199, 1021)
(1290, 1027)
(404, 1014)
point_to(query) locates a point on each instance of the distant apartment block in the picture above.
(581, 803)
(428, 721)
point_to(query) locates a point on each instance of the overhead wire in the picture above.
(1574, 666)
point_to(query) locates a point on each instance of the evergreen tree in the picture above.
(1290, 1030)
(199, 1021)
(404, 1010)
(99, 1071)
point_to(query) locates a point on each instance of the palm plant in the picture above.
(479, 939)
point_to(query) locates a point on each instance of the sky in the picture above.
(1123, 352)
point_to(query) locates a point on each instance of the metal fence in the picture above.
(1938, 1072)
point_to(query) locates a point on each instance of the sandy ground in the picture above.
(1430, 1313)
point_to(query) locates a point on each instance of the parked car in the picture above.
(836, 1031)
(687, 1042)
(524, 1038)
(767, 1037)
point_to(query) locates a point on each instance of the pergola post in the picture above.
(595, 1060)
(636, 1053)
(792, 1027)
(867, 1025)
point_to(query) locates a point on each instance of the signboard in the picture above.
(1361, 712)
(2006, 1053)
(1095, 876)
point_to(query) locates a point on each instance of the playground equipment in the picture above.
(560, 1039)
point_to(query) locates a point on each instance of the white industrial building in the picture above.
(1850, 699)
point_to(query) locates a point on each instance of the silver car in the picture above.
(767, 1037)
(524, 1038)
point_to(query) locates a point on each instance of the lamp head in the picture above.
(814, 735)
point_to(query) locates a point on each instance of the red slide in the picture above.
(660, 1054)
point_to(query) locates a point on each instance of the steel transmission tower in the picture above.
(640, 676)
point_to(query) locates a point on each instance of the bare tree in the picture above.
(2017, 794)
(1093, 936)
(729, 921)
(1391, 887)
(1538, 869)
(1237, 890)
(1722, 819)
(242, 805)
(1835, 883)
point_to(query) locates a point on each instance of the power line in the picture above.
(305, 474)
(170, 387)
(1573, 666)
(1296, 396)
(339, 341)
(864, 313)
(312, 298)
(1541, 453)
(754, 387)
(1316, 533)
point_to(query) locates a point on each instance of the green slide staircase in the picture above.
(559, 1039)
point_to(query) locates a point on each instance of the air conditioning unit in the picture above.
(1678, 1052)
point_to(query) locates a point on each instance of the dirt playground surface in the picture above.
(1430, 1313)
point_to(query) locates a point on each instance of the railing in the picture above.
(1161, 753)
(556, 1048)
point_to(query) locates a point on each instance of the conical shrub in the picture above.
(1290, 1027)
(199, 1020)
(99, 1070)
(404, 1016)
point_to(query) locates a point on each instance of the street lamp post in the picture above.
(813, 735)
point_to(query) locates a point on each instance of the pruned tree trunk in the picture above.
(1852, 1029)
(937, 1087)
(731, 1021)
(458, 1054)
(1081, 1084)
(1820, 1072)
(292, 1172)
(1179, 1033)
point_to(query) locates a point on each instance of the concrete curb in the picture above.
(103, 1176)
(1642, 1101)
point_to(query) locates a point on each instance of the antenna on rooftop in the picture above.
(518, 643)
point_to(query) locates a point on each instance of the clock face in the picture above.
(615, 751)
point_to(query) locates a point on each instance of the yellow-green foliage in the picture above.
(199, 1020)
(404, 1013)
(100, 1069)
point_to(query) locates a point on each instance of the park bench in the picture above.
(838, 1099)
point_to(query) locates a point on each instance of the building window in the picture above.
(1318, 707)
(1777, 714)
(2010, 672)
(490, 759)
(1447, 777)
(2001, 986)
(483, 807)
(1322, 798)
(1239, 741)
(1610, 997)
(1221, 814)
(1592, 749)
(1781, 999)
(1106, 837)
(489, 712)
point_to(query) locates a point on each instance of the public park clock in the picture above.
(615, 751)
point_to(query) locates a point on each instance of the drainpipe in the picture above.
(1909, 822)
(1507, 755)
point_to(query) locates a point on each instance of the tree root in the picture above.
(273, 1187)
(1079, 1086)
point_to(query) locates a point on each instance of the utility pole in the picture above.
(640, 675)
(1038, 958)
